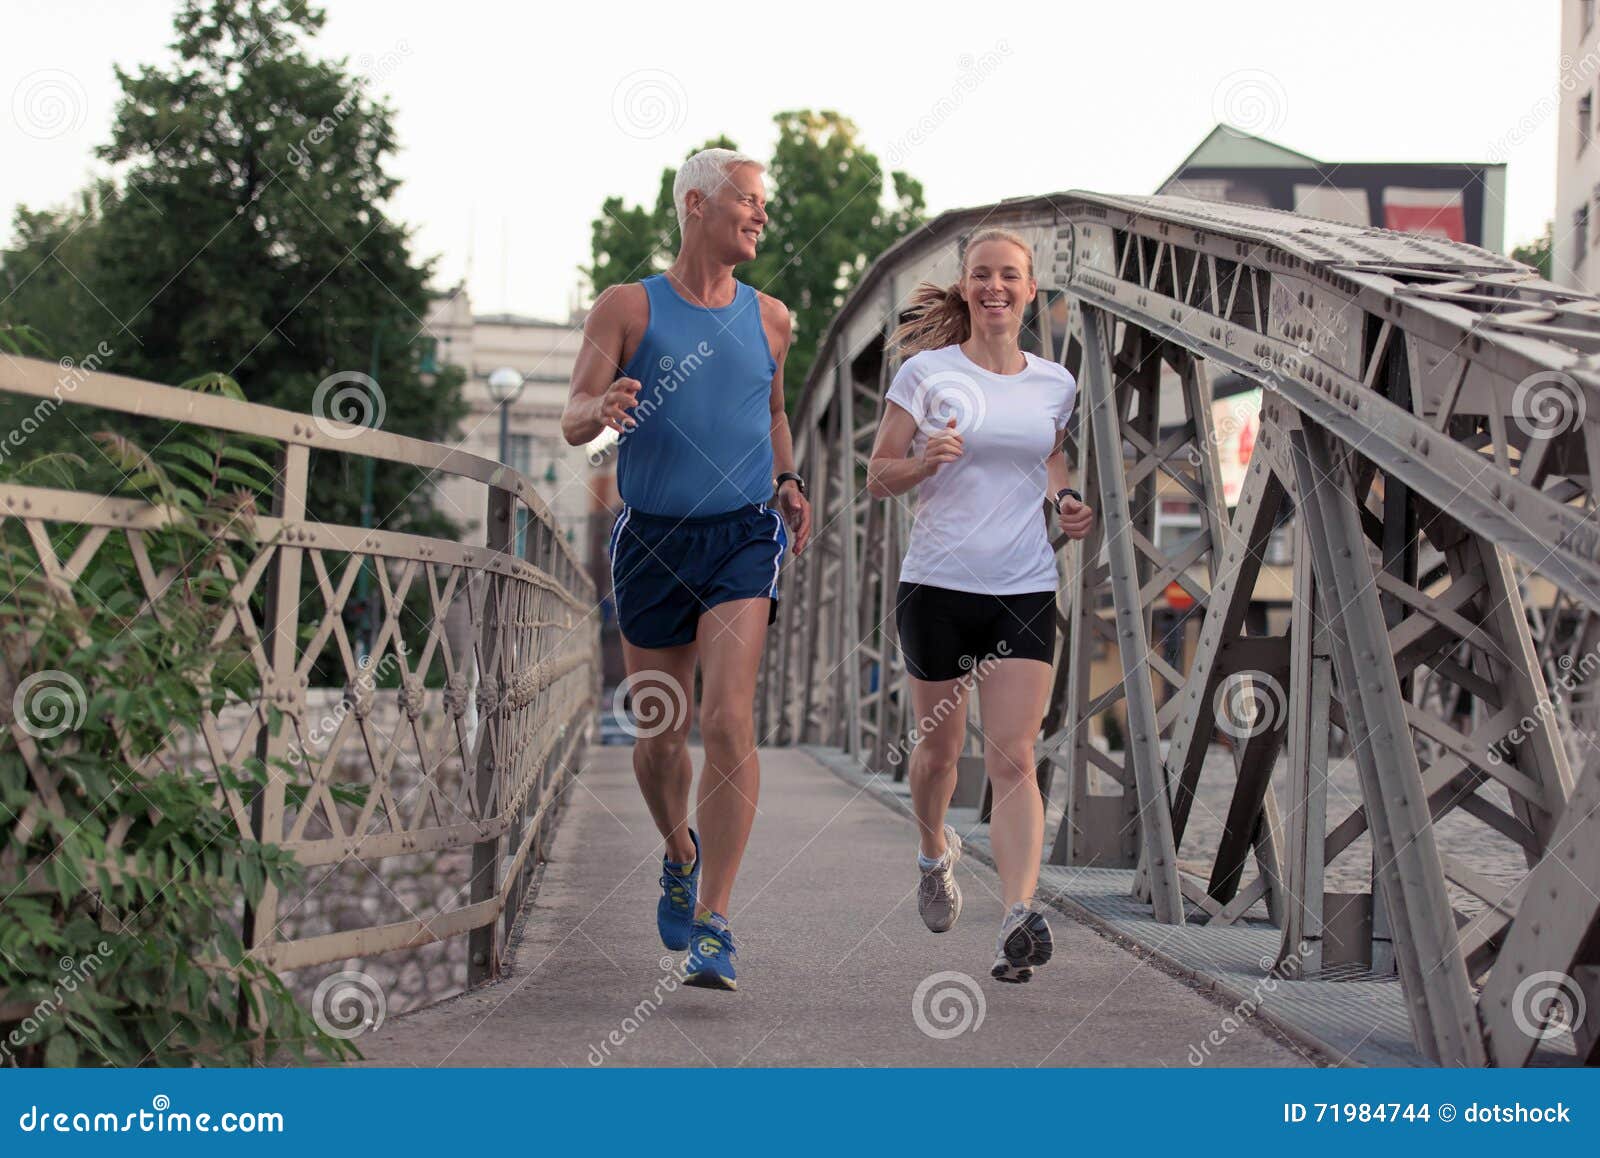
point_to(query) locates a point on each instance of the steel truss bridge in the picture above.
(1431, 422)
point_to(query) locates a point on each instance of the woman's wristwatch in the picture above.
(1063, 492)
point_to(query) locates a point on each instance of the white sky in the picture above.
(513, 131)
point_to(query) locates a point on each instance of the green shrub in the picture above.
(124, 876)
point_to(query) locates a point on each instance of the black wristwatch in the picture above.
(778, 482)
(1067, 491)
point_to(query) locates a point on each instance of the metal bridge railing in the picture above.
(1431, 420)
(494, 660)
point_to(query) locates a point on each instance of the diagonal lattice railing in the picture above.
(437, 756)
(1403, 797)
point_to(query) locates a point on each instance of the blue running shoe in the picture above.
(675, 910)
(711, 953)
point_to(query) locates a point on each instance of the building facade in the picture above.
(1462, 201)
(1572, 252)
(543, 352)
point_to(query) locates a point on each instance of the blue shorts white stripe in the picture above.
(666, 571)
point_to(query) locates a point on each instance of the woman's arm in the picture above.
(1056, 468)
(1075, 518)
(890, 470)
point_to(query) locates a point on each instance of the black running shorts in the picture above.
(944, 634)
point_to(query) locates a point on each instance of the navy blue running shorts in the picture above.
(666, 570)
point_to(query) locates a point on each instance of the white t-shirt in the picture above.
(980, 522)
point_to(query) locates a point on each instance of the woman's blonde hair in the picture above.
(939, 317)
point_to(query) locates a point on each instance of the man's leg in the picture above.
(731, 637)
(661, 681)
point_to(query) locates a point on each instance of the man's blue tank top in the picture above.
(703, 440)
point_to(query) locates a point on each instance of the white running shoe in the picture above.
(1024, 943)
(938, 896)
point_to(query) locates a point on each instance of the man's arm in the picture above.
(599, 397)
(779, 329)
(780, 332)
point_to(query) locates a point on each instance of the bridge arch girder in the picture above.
(1451, 396)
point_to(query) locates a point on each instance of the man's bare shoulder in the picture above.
(621, 304)
(776, 316)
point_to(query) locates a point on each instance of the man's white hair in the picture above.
(705, 172)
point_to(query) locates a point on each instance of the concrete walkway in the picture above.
(831, 958)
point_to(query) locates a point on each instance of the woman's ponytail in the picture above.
(938, 317)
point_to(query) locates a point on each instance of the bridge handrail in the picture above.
(73, 385)
(511, 638)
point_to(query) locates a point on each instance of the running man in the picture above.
(687, 367)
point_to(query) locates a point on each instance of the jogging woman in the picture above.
(983, 422)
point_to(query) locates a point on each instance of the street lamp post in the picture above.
(369, 620)
(505, 384)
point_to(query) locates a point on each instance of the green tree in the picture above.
(43, 275)
(248, 237)
(832, 213)
(1537, 252)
